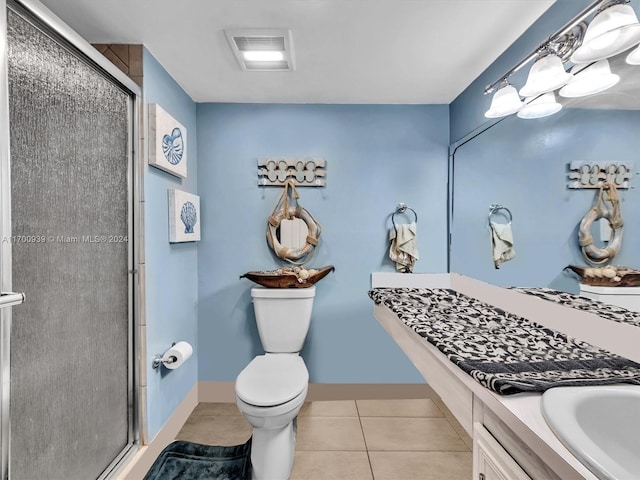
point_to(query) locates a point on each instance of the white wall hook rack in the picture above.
(305, 172)
(592, 174)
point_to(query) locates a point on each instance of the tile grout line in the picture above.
(454, 426)
(455, 429)
(364, 438)
(208, 415)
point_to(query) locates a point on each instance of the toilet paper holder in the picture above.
(174, 357)
(159, 359)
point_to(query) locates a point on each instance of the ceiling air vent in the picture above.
(262, 49)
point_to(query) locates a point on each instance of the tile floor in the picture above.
(355, 439)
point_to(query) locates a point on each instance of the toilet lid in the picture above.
(272, 379)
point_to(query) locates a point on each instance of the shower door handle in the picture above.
(9, 299)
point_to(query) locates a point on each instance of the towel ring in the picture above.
(495, 208)
(402, 208)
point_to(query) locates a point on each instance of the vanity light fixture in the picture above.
(262, 49)
(613, 30)
(588, 79)
(546, 74)
(542, 106)
(505, 102)
(634, 57)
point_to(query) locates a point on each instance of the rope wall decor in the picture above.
(285, 209)
(289, 208)
(591, 253)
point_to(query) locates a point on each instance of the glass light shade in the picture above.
(546, 74)
(611, 32)
(539, 107)
(634, 57)
(504, 102)
(588, 80)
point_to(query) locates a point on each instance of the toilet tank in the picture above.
(625, 297)
(283, 316)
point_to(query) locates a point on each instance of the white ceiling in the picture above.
(347, 51)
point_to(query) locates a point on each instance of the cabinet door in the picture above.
(491, 461)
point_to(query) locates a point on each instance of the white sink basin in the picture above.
(599, 425)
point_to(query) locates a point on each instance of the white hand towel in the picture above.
(404, 246)
(501, 243)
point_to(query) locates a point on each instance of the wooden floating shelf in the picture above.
(287, 279)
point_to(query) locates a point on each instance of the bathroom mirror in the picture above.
(524, 165)
(292, 233)
(601, 233)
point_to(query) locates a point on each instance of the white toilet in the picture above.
(271, 390)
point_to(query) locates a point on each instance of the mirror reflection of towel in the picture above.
(501, 243)
(404, 246)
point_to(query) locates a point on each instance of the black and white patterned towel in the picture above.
(604, 310)
(502, 351)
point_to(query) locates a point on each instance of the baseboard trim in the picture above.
(216, 392)
(223, 392)
(140, 464)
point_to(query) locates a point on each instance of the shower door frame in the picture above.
(135, 226)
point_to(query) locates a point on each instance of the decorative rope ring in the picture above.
(296, 256)
(284, 210)
(591, 253)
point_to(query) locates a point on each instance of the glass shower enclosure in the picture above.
(68, 197)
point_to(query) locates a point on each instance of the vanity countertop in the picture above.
(521, 413)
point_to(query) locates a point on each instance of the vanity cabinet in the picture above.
(490, 460)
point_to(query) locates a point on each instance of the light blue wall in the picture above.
(376, 157)
(171, 269)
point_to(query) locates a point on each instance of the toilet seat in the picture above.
(272, 379)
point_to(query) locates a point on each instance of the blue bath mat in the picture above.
(182, 460)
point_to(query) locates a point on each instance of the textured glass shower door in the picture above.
(71, 169)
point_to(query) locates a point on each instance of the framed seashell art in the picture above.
(167, 142)
(184, 216)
